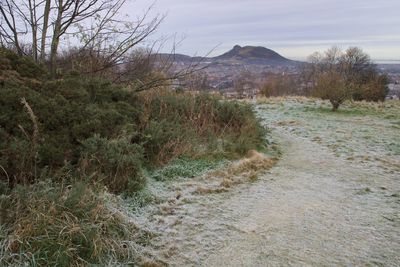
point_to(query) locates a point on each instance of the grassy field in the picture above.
(362, 132)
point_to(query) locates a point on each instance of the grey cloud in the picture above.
(286, 25)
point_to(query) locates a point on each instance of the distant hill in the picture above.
(252, 53)
(248, 54)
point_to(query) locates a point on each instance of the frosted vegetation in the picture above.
(103, 162)
(362, 132)
(335, 188)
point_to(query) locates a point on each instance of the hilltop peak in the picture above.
(252, 53)
(241, 55)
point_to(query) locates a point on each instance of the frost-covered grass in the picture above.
(367, 133)
(186, 168)
(48, 225)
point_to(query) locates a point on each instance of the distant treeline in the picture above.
(334, 75)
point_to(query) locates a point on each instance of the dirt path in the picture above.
(313, 208)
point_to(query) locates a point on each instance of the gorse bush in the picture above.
(116, 163)
(22, 67)
(68, 112)
(80, 121)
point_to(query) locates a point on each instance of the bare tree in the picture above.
(197, 81)
(72, 12)
(107, 43)
(96, 23)
(280, 85)
(113, 38)
(243, 82)
(339, 75)
(10, 26)
(26, 17)
(309, 71)
(331, 86)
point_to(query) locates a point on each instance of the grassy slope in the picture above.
(367, 133)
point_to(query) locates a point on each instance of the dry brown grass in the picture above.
(153, 264)
(35, 134)
(242, 171)
(247, 169)
(71, 226)
(202, 190)
(28, 166)
(288, 122)
(278, 99)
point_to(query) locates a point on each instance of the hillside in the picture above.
(247, 55)
(254, 54)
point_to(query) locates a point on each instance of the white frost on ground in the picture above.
(332, 200)
(365, 134)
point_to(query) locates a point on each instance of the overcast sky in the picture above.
(294, 28)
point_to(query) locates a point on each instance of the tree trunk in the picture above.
(56, 39)
(34, 44)
(46, 14)
(53, 53)
(335, 105)
(33, 24)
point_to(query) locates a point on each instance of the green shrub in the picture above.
(164, 140)
(67, 113)
(24, 66)
(115, 163)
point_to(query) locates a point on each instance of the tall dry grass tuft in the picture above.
(32, 116)
(28, 166)
(241, 171)
(247, 169)
(71, 225)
